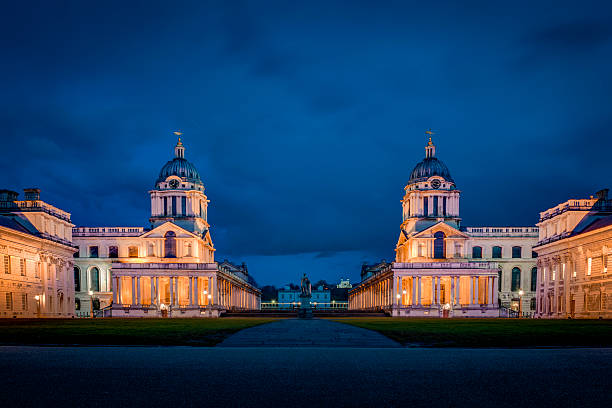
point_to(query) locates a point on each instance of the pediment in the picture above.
(449, 232)
(161, 230)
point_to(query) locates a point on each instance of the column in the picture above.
(471, 302)
(438, 284)
(209, 290)
(490, 290)
(418, 291)
(157, 292)
(476, 293)
(171, 283)
(452, 291)
(138, 299)
(414, 291)
(458, 289)
(195, 291)
(495, 292)
(191, 291)
(176, 292)
(152, 283)
(394, 295)
(133, 290)
(115, 294)
(433, 290)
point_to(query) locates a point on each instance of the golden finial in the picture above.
(430, 133)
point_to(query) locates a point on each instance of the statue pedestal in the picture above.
(305, 310)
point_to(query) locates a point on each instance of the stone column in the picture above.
(171, 283)
(491, 282)
(176, 291)
(433, 290)
(209, 290)
(394, 290)
(196, 291)
(413, 301)
(452, 291)
(471, 302)
(476, 293)
(191, 291)
(138, 297)
(458, 289)
(157, 292)
(115, 294)
(152, 284)
(133, 290)
(438, 284)
(419, 291)
(495, 292)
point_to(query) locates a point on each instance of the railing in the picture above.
(334, 305)
(137, 265)
(502, 231)
(35, 205)
(445, 265)
(107, 231)
(577, 205)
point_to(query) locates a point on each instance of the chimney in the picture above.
(8, 195)
(603, 194)
(31, 194)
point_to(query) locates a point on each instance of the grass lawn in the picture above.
(150, 332)
(490, 332)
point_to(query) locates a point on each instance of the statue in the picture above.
(306, 288)
(305, 310)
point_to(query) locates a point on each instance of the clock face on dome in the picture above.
(435, 183)
(174, 183)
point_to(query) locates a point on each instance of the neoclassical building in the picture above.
(574, 259)
(167, 270)
(442, 268)
(35, 257)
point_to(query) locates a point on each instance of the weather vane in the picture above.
(178, 133)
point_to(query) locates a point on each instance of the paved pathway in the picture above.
(307, 333)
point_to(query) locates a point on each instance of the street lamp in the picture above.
(91, 303)
(37, 298)
(520, 293)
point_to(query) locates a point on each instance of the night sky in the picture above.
(305, 121)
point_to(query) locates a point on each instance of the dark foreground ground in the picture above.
(303, 377)
(489, 332)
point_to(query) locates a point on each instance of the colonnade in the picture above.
(182, 292)
(425, 291)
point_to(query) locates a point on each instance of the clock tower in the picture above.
(179, 196)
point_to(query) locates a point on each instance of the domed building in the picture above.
(442, 269)
(166, 270)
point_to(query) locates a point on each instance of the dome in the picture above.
(179, 167)
(430, 166)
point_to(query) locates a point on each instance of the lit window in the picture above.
(589, 263)
(563, 271)
(604, 260)
(133, 252)
(554, 273)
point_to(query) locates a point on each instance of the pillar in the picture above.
(190, 290)
(414, 289)
(477, 300)
(115, 294)
(138, 298)
(210, 292)
(419, 291)
(176, 292)
(471, 302)
(452, 291)
(458, 290)
(152, 280)
(133, 290)
(195, 291)
(433, 290)
(438, 284)
(157, 293)
(495, 292)
(171, 283)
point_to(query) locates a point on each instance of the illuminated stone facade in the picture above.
(35, 258)
(167, 271)
(442, 269)
(575, 259)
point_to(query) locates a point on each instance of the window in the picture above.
(477, 252)
(184, 206)
(516, 251)
(93, 251)
(439, 245)
(516, 279)
(534, 278)
(133, 252)
(425, 209)
(151, 251)
(77, 279)
(165, 206)
(76, 254)
(95, 279)
(188, 249)
(435, 206)
(173, 205)
(499, 280)
(22, 266)
(534, 254)
(554, 273)
(113, 252)
(589, 264)
(444, 206)
(9, 300)
(77, 304)
(24, 301)
(170, 245)
(7, 264)
(532, 304)
(497, 252)
(604, 261)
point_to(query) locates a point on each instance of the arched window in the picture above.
(534, 278)
(113, 252)
(497, 252)
(439, 245)
(516, 280)
(516, 251)
(95, 279)
(477, 252)
(77, 279)
(170, 244)
(133, 252)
